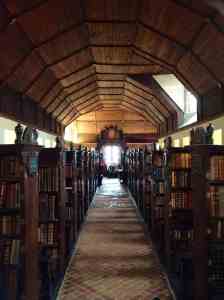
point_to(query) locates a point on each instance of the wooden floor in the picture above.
(113, 260)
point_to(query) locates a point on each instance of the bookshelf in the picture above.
(79, 187)
(158, 198)
(71, 207)
(208, 247)
(147, 189)
(52, 219)
(178, 206)
(19, 222)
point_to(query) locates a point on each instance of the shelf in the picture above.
(49, 246)
(9, 267)
(49, 192)
(10, 211)
(216, 182)
(10, 236)
(180, 169)
(181, 189)
(11, 179)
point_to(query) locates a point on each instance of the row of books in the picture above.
(216, 229)
(159, 188)
(217, 167)
(159, 212)
(48, 234)
(10, 225)
(158, 173)
(68, 171)
(180, 179)
(49, 179)
(216, 201)
(180, 160)
(10, 166)
(10, 195)
(68, 213)
(182, 235)
(157, 160)
(9, 252)
(181, 200)
(48, 207)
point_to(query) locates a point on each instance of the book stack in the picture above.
(10, 195)
(216, 201)
(49, 179)
(10, 225)
(180, 160)
(180, 179)
(48, 234)
(181, 200)
(48, 207)
(9, 252)
(217, 167)
(10, 166)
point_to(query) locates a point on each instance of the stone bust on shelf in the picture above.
(209, 134)
(30, 136)
(19, 134)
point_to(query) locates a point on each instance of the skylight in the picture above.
(185, 100)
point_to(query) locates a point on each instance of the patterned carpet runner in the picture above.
(113, 260)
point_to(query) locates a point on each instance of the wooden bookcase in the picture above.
(71, 206)
(158, 199)
(208, 206)
(178, 206)
(147, 188)
(79, 187)
(52, 220)
(19, 222)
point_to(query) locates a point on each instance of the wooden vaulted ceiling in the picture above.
(73, 57)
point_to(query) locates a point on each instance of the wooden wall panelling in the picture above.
(50, 12)
(25, 110)
(111, 33)
(162, 16)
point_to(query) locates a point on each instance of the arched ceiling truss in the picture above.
(72, 57)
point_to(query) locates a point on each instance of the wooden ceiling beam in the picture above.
(140, 111)
(141, 106)
(168, 108)
(147, 102)
(171, 68)
(65, 99)
(63, 87)
(65, 77)
(74, 102)
(152, 99)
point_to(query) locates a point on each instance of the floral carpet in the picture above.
(114, 260)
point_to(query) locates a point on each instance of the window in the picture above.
(186, 141)
(217, 137)
(40, 141)
(176, 143)
(182, 97)
(53, 143)
(191, 103)
(9, 136)
(47, 143)
(112, 155)
(161, 143)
